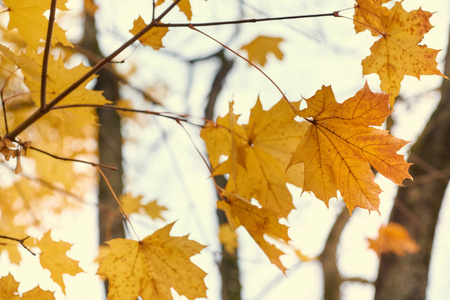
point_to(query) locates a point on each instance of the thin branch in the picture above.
(20, 241)
(73, 159)
(196, 149)
(252, 64)
(48, 44)
(117, 200)
(39, 113)
(168, 115)
(254, 20)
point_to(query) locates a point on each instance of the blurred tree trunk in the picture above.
(417, 206)
(109, 140)
(228, 267)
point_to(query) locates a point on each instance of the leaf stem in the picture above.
(48, 44)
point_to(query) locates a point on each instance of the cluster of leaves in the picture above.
(331, 149)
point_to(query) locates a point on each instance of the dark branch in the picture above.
(20, 241)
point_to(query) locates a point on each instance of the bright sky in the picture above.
(318, 51)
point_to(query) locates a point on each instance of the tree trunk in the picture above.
(417, 206)
(228, 267)
(109, 142)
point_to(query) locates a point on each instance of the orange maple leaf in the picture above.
(151, 267)
(368, 14)
(28, 17)
(53, 257)
(260, 47)
(393, 238)
(258, 154)
(397, 52)
(153, 37)
(340, 146)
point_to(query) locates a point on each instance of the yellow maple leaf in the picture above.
(28, 17)
(59, 78)
(340, 146)
(393, 238)
(260, 47)
(258, 154)
(259, 222)
(151, 267)
(153, 37)
(133, 205)
(53, 258)
(9, 287)
(38, 294)
(184, 5)
(228, 238)
(397, 53)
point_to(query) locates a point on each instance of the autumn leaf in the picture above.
(184, 5)
(259, 222)
(368, 14)
(393, 238)
(228, 238)
(53, 257)
(258, 154)
(38, 294)
(28, 17)
(340, 146)
(397, 53)
(151, 267)
(9, 287)
(153, 37)
(260, 47)
(9, 291)
(133, 205)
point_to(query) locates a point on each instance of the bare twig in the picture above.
(48, 44)
(117, 200)
(254, 20)
(252, 64)
(20, 241)
(73, 159)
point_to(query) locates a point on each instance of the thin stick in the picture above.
(252, 64)
(196, 149)
(73, 159)
(48, 44)
(39, 113)
(117, 200)
(20, 241)
(254, 20)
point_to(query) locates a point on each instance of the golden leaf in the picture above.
(397, 52)
(258, 154)
(53, 258)
(259, 222)
(228, 238)
(151, 267)
(260, 47)
(28, 17)
(153, 37)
